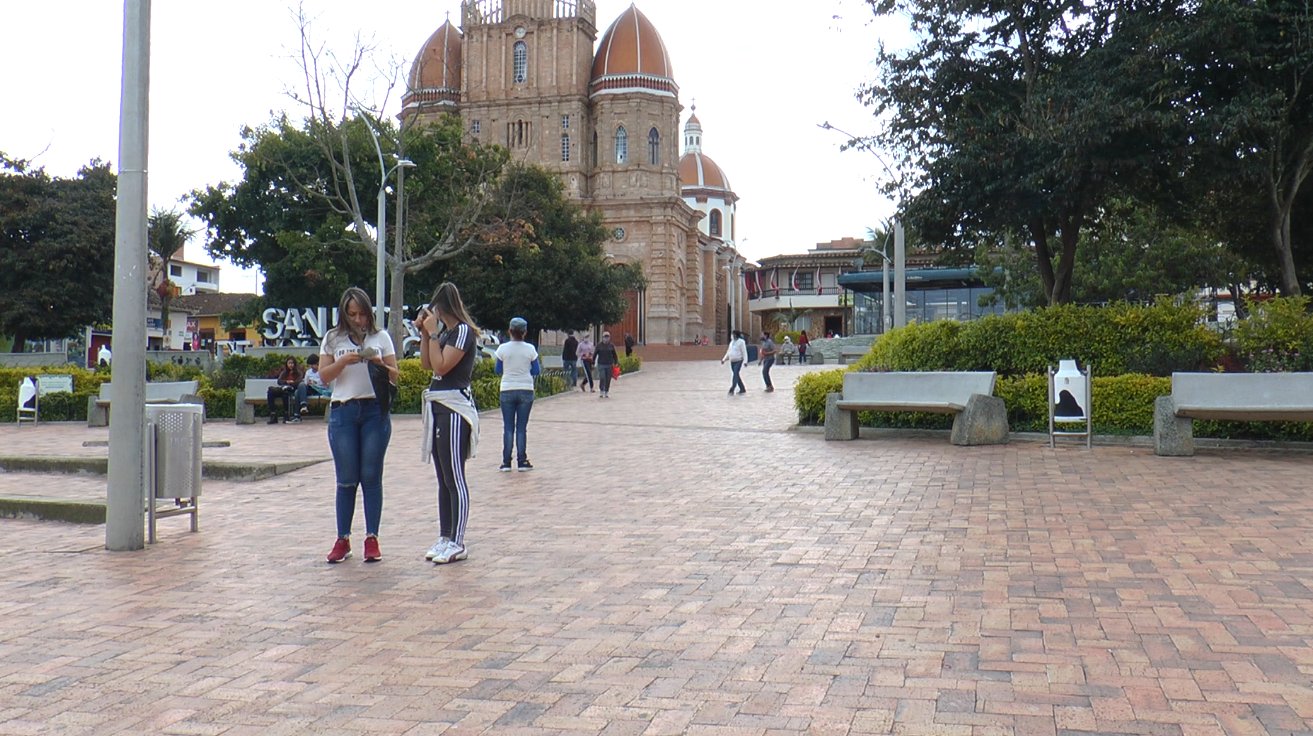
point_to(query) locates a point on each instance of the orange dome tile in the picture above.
(632, 55)
(698, 171)
(435, 73)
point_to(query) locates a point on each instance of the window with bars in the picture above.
(474, 127)
(565, 122)
(565, 146)
(714, 223)
(621, 145)
(520, 62)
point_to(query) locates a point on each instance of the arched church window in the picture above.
(565, 146)
(654, 147)
(593, 155)
(520, 61)
(714, 223)
(621, 145)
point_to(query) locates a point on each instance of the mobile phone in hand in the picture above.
(368, 352)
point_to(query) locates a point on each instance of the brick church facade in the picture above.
(525, 74)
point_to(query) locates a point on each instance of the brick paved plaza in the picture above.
(680, 562)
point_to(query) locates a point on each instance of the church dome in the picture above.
(632, 57)
(435, 74)
(698, 171)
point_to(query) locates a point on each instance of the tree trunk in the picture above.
(397, 298)
(1043, 258)
(1285, 256)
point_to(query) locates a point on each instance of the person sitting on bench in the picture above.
(284, 390)
(311, 385)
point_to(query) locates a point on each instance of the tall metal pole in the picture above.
(125, 501)
(380, 240)
(884, 282)
(900, 276)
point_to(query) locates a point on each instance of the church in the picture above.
(604, 115)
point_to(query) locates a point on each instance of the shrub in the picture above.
(1115, 339)
(1277, 336)
(809, 394)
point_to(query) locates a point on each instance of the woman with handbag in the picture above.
(359, 425)
(451, 420)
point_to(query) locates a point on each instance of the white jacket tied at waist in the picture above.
(458, 401)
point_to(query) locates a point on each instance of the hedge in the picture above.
(219, 389)
(1116, 339)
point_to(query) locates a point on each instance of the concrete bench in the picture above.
(1254, 397)
(850, 353)
(161, 392)
(980, 417)
(256, 393)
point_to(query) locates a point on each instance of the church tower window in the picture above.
(714, 224)
(621, 145)
(565, 146)
(654, 147)
(520, 62)
(595, 147)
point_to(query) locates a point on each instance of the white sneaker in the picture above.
(438, 548)
(452, 553)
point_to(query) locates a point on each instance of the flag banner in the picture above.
(818, 281)
(774, 279)
(757, 273)
(793, 280)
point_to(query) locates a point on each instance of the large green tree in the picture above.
(305, 212)
(1130, 251)
(1019, 120)
(1250, 79)
(56, 250)
(553, 270)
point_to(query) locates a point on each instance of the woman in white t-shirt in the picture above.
(358, 426)
(517, 364)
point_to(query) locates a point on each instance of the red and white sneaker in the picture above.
(341, 550)
(371, 550)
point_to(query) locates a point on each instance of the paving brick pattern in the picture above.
(682, 562)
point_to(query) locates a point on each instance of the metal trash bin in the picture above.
(173, 462)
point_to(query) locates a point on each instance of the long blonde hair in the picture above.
(344, 326)
(446, 300)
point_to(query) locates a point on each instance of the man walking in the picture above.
(570, 357)
(606, 357)
(767, 351)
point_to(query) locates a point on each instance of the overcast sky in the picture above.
(761, 79)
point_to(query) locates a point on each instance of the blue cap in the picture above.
(519, 323)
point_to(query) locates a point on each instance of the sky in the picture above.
(762, 79)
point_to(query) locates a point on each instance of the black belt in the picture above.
(335, 404)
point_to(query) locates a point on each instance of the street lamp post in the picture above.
(380, 233)
(900, 238)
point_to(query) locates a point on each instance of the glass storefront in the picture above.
(932, 294)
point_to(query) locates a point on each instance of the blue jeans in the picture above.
(735, 366)
(515, 407)
(571, 371)
(358, 435)
(303, 391)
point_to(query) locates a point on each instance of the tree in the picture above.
(166, 235)
(1250, 74)
(56, 250)
(553, 270)
(1129, 252)
(1018, 120)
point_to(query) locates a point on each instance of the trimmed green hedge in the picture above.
(1116, 339)
(219, 390)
